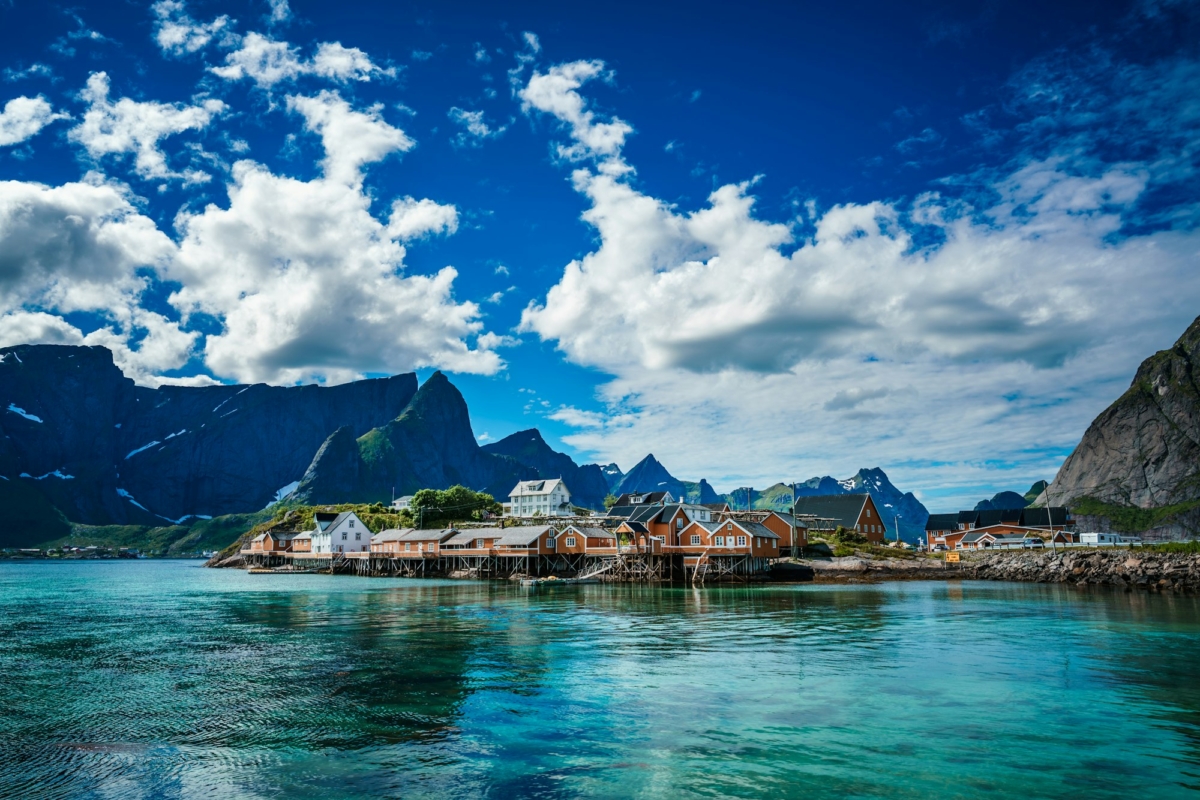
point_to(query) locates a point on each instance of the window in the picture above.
(351, 523)
(479, 544)
(729, 527)
(771, 543)
(719, 541)
(695, 539)
(679, 523)
(357, 536)
(344, 536)
(757, 541)
(407, 545)
(741, 541)
(570, 541)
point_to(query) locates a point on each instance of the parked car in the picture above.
(1033, 544)
(940, 548)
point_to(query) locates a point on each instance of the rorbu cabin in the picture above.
(526, 540)
(856, 512)
(637, 535)
(729, 537)
(302, 543)
(782, 524)
(409, 542)
(272, 543)
(474, 542)
(587, 540)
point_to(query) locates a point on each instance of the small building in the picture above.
(473, 542)
(1100, 538)
(548, 498)
(410, 542)
(781, 523)
(339, 533)
(937, 527)
(271, 542)
(402, 503)
(302, 542)
(856, 512)
(576, 539)
(526, 540)
(728, 537)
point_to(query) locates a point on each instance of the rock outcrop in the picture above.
(429, 445)
(1144, 449)
(587, 483)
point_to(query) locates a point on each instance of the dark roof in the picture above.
(757, 529)
(1036, 517)
(324, 519)
(843, 509)
(967, 517)
(637, 527)
(942, 522)
(647, 498)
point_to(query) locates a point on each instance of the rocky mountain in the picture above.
(1001, 501)
(429, 445)
(1143, 451)
(1035, 491)
(79, 441)
(587, 483)
(700, 492)
(612, 475)
(648, 475)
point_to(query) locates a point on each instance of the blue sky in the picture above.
(762, 243)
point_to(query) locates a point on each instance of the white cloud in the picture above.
(280, 11)
(77, 248)
(555, 93)
(263, 60)
(475, 127)
(23, 117)
(350, 138)
(129, 126)
(177, 34)
(340, 63)
(729, 328)
(412, 219)
(268, 62)
(308, 285)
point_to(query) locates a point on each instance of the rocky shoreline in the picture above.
(1131, 570)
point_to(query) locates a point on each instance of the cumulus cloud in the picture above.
(79, 248)
(267, 62)
(412, 219)
(308, 285)
(177, 34)
(555, 93)
(475, 127)
(733, 328)
(351, 138)
(24, 117)
(129, 126)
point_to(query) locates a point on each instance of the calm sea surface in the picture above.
(163, 679)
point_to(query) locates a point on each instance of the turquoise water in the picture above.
(162, 679)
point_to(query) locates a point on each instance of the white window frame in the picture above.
(570, 541)
(719, 541)
(741, 541)
(695, 539)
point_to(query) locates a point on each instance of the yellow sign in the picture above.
(952, 558)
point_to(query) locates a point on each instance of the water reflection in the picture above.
(162, 680)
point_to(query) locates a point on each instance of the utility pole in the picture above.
(897, 529)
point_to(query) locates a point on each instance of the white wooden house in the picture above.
(340, 533)
(549, 498)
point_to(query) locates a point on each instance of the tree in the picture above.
(433, 507)
(609, 501)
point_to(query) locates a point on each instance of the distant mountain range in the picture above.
(80, 443)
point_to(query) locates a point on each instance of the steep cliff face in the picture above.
(76, 431)
(429, 445)
(1144, 449)
(587, 483)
